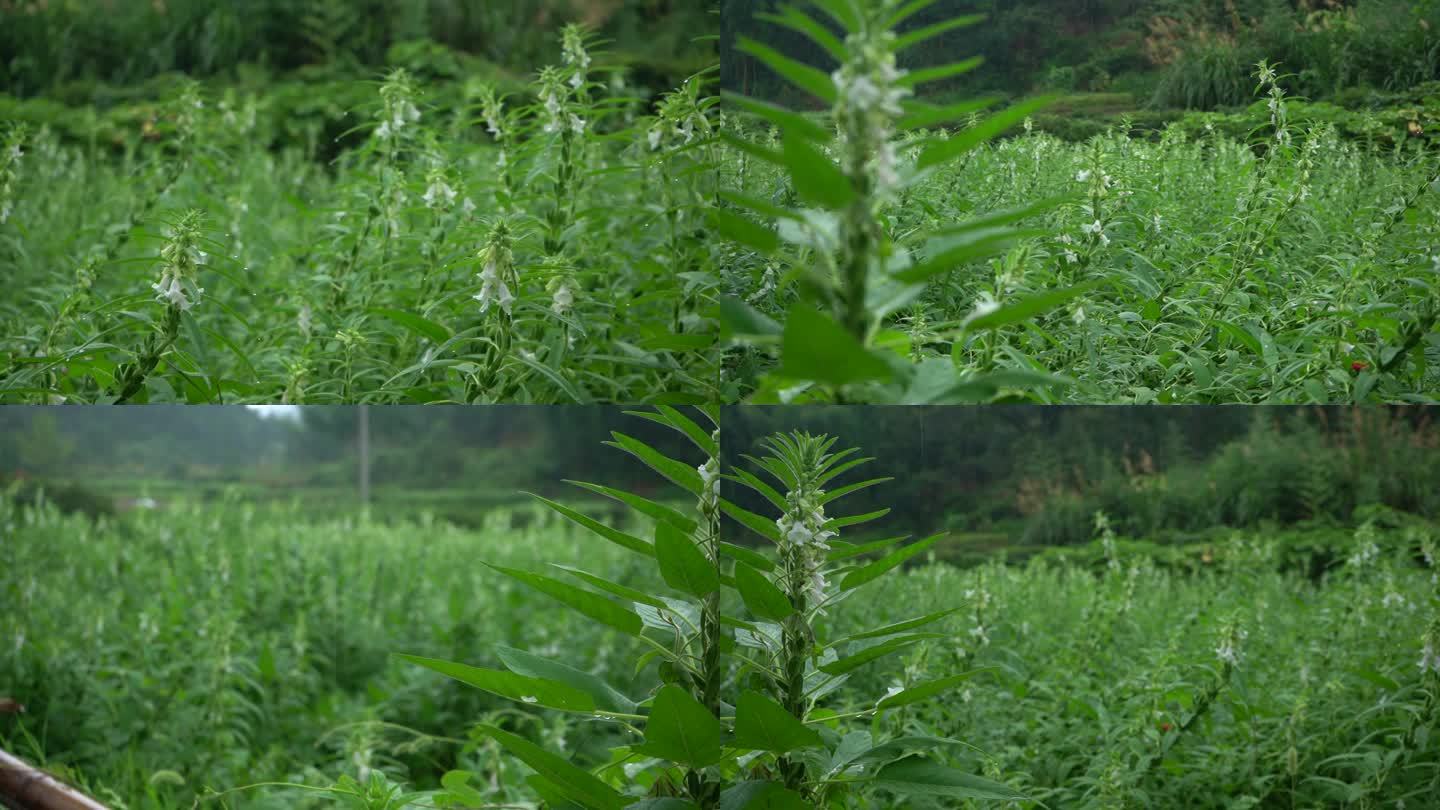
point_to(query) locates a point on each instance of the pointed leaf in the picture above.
(815, 347)
(519, 688)
(682, 563)
(681, 730)
(761, 724)
(615, 536)
(596, 607)
(760, 594)
(860, 576)
(918, 776)
(524, 663)
(579, 786)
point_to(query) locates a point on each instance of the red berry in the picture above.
(1359, 366)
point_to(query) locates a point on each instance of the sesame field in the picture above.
(899, 246)
(524, 239)
(248, 657)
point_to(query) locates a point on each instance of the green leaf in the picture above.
(456, 783)
(961, 250)
(817, 179)
(739, 319)
(612, 588)
(666, 803)
(760, 594)
(593, 605)
(814, 347)
(815, 82)
(800, 22)
(678, 472)
(860, 576)
(644, 506)
(671, 417)
(962, 142)
(762, 526)
(519, 688)
(751, 558)
(749, 479)
(577, 785)
(849, 488)
(615, 536)
(739, 229)
(1027, 308)
(925, 691)
(842, 522)
(524, 663)
(876, 652)
(918, 77)
(757, 795)
(918, 776)
(897, 627)
(1242, 336)
(681, 730)
(420, 326)
(919, 35)
(844, 551)
(682, 564)
(782, 118)
(761, 724)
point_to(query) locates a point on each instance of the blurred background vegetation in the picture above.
(455, 463)
(92, 69)
(1367, 63)
(1026, 479)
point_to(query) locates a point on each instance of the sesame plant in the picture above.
(491, 243)
(738, 643)
(894, 250)
(852, 264)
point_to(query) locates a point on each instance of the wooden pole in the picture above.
(364, 455)
(26, 788)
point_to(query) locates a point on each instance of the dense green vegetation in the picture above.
(890, 250)
(478, 246)
(1161, 53)
(1037, 476)
(166, 653)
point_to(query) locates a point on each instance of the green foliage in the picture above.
(1279, 255)
(54, 44)
(473, 246)
(1119, 673)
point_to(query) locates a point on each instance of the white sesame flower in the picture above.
(468, 206)
(1429, 658)
(1078, 316)
(563, 300)
(1082, 176)
(439, 194)
(653, 137)
(985, 305)
(5, 211)
(1094, 227)
(170, 290)
(304, 320)
(493, 289)
(1228, 653)
(383, 131)
(577, 124)
(1071, 256)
